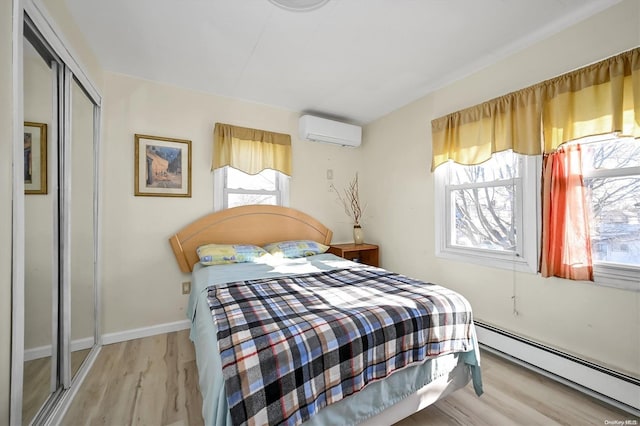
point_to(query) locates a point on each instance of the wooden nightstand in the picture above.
(363, 253)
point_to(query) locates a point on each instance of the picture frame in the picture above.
(35, 158)
(162, 166)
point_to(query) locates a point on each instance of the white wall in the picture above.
(65, 26)
(141, 280)
(597, 323)
(6, 153)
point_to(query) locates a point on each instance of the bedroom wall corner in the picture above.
(558, 313)
(397, 188)
(6, 155)
(66, 27)
(140, 277)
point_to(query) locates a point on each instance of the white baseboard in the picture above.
(45, 351)
(607, 385)
(37, 353)
(137, 333)
(120, 336)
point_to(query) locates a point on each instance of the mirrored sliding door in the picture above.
(41, 240)
(81, 213)
(60, 321)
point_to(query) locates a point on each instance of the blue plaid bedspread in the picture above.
(291, 346)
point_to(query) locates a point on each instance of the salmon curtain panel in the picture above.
(250, 150)
(601, 98)
(566, 244)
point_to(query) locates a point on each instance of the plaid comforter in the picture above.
(290, 346)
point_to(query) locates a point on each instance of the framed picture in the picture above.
(35, 158)
(162, 166)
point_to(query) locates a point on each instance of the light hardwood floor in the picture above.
(154, 381)
(149, 381)
(37, 382)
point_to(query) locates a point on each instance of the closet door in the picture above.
(57, 337)
(40, 373)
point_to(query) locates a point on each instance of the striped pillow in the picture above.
(218, 254)
(295, 248)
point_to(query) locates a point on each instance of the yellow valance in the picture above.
(597, 99)
(472, 135)
(250, 150)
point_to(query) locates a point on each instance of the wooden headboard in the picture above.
(256, 224)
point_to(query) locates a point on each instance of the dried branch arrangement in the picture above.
(351, 201)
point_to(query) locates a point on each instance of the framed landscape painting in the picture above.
(162, 166)
(35, 158)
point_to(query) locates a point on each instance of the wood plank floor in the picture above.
(149, 381)
(36, 386)
(154, 381)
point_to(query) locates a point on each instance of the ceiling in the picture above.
(354, 60)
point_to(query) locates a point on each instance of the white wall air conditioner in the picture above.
(323, 130)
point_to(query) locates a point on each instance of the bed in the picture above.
(374, 391)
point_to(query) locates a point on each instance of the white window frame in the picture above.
(221, 192)
(525, 258)
(613, 274)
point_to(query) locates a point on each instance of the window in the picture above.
(611, 169)
(235, 188)
(489, 213)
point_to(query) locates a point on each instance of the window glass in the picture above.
(483, 198)
(615, 224)
(265, 180)
(233, 188)
(485, 208)
(610, 154)
(503, 165)
(612, 180)
(484, 217)
(235, 200)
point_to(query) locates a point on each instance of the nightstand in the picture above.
(363, 253)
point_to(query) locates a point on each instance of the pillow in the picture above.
(217, 254)
(295, 248)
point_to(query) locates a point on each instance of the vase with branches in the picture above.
(350, 200)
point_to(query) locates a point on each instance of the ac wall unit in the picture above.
(322, 130)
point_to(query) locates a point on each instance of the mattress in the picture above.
(448, 371)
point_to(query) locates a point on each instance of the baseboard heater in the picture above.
(607, 385)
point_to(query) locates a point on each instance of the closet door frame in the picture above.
(65, 232)
(18, 221)
(55, 266)
(58, 402)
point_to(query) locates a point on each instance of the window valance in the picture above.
(601, 98)
(250, 150)
(472, 135)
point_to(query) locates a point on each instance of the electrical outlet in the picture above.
(186, 287)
